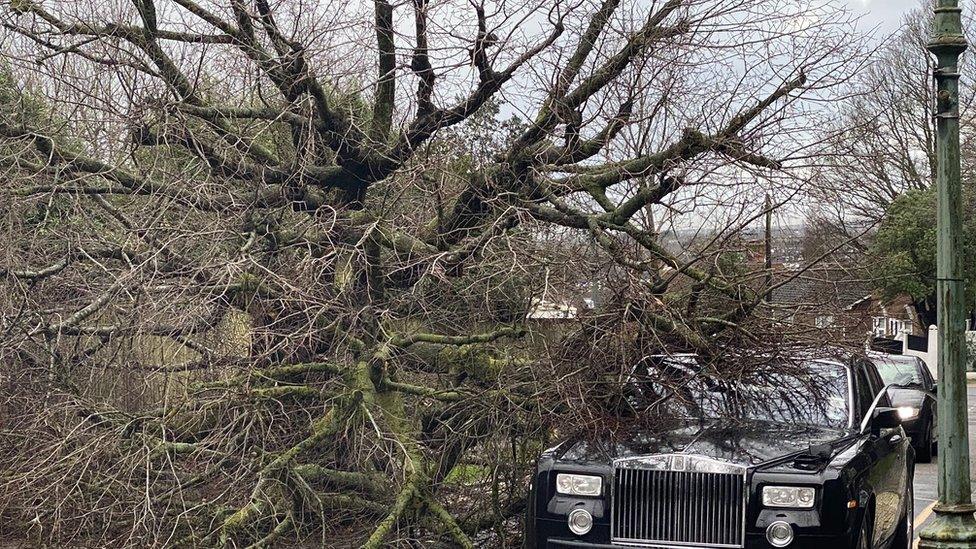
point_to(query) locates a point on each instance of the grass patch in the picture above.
(467, 474)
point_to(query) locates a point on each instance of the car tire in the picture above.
(863, 541)
(923, 451)
(905, 532)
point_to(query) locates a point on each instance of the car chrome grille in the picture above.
(677, 508)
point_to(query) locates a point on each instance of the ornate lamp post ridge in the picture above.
(953, 525)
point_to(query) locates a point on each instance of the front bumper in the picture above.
(753, 541)
(551, 536)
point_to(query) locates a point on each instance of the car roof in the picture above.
(903, 359)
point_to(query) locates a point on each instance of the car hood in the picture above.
(744, 442)
(903, 396)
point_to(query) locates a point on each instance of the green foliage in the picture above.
(466, 473)
(472, 145)
(904, 250)
(732, 264)
(46, 216)
(20, 6)
(18, 104)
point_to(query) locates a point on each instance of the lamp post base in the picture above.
(951, 527)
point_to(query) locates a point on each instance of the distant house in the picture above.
(553, 318)
(842, 300)
(890, 319)
(836, 294)
(544, 310)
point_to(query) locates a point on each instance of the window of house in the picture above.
(897, 327)
(878, 326)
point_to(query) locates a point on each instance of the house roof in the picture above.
(821, 286)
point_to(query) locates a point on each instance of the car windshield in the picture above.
(899, 372)
(807, 392)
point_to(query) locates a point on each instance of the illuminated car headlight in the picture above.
(907, 412)
(579, 485)
(791, 497)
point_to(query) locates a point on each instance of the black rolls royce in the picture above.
(807, 455)
(913, 393)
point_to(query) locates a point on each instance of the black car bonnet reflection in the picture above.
(745, 442)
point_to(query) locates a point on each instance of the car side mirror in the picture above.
(884, 418)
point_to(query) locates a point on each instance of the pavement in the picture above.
(926, 474)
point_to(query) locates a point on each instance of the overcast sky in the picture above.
(883, 15)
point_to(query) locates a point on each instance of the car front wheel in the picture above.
(862, 539)
(923, 450)
(905, 533)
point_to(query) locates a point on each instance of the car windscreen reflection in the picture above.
(801, 393)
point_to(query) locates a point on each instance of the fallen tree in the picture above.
(333, 279)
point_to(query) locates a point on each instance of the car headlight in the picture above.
(907, 412)
(579, 485)
(792, 497)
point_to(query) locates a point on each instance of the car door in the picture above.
(888, 450)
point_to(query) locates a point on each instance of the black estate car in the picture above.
(913, 392)
(808, 455)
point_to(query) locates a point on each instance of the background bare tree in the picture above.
(267, 266)
(878, 166)
(884, 139)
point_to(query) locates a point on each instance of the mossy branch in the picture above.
(406, 341)
(400, 508)
(276, 533)
(429, 392)
(323, 428)
(455, 531)
(295, 391)
(277, 373)
(343, 479)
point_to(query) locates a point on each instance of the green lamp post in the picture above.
(953, 525)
